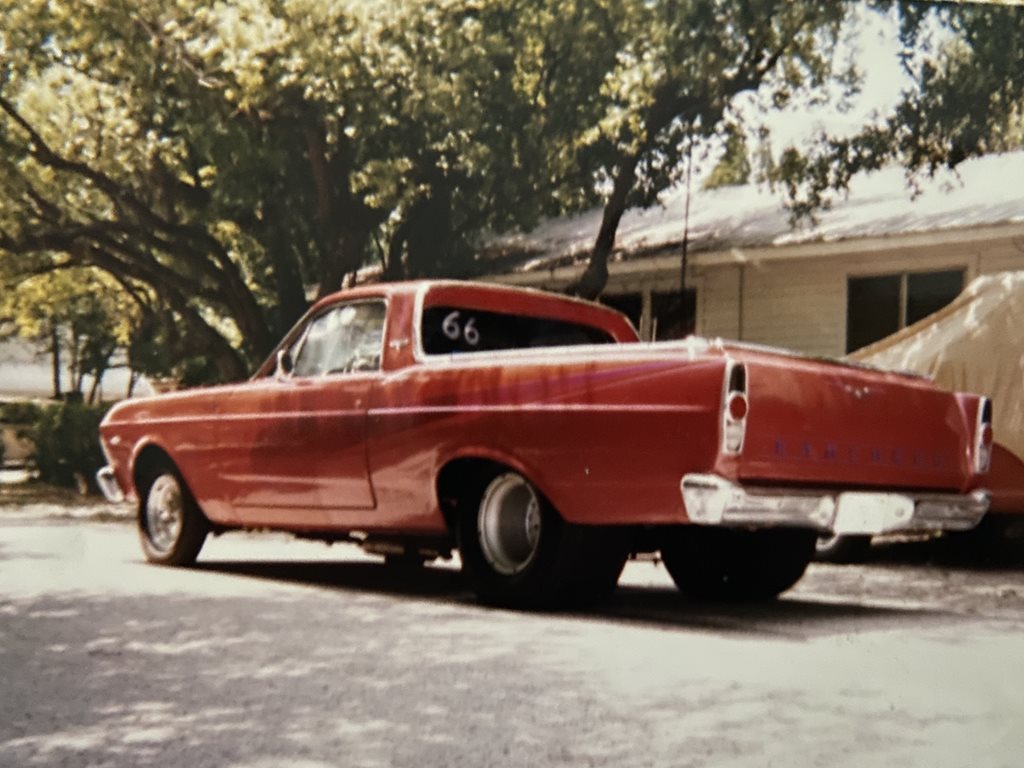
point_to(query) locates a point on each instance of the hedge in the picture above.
(67, 447)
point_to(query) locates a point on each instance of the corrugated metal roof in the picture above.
(983, 191)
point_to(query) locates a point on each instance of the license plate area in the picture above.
(865, 512)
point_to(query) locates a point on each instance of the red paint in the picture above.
(1006, 481)
(606, 432)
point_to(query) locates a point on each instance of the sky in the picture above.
(875, 48)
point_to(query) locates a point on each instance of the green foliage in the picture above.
(21, 413)
(81, 309)
(968, 91)
(221, 161)
(966, 62)
(67, 447)
(733, 169)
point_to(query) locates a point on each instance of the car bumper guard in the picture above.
(107, 482)
(713, 500)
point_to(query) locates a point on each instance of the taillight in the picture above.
(735, 407)
(983, 437)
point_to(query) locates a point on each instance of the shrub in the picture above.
(67, 444)
(20, 413)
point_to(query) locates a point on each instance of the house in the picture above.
(881, 258)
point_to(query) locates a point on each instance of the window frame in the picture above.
(295, 347)
(903, 276)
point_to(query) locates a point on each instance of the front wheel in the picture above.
(172, 528)
(518, 552)
(734, 564)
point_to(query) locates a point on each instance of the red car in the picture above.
(535, 434)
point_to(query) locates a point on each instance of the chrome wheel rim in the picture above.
(509, 524)
(164, 513)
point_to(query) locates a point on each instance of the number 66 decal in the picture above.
(453, 330)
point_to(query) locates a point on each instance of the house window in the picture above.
(674, 314)
(879, 305)
(658, 315)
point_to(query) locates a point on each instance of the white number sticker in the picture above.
(470, 333)
(453, 331)
(450, 326)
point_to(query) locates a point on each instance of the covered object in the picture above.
(975, 344)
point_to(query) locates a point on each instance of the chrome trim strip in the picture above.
(713, 500)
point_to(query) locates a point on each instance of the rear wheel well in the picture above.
(516, 549)
(454, 479)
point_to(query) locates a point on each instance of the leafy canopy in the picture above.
(222, 163)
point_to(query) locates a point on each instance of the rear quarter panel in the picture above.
(606, 437)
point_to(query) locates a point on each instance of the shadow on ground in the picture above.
(651, 605)
(979, 550)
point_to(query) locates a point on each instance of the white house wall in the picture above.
(1007, 256)
(800, 303)
(718, 302)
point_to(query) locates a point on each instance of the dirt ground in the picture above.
(968, 575)
(277, 652)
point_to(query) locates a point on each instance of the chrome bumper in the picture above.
(713, 500)
(107, 481)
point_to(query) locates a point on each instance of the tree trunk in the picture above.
(291, 296)
(76, 363)
(55, 357)
(595, 276)
(97, 377)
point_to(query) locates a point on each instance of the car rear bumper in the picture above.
(713, 500)
(107, 482)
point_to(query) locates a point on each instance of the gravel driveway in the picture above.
(276, 652)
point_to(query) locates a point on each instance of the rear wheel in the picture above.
(518, 552)
(172, 528)
(734, 564)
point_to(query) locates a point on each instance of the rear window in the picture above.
(446, 330)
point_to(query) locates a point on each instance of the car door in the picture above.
(298, 437)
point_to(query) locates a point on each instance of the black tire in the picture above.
(839, 548)
(517, 551)
(172, 528)
(736, 565)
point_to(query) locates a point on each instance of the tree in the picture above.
(683, 67)
(80, 314)
(225, 162)
(224, 158)
(966, 99)
(968, 74)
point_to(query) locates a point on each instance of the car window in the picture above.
(446, 330)
(343, 339)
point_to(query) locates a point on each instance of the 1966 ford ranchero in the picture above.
(535, 434)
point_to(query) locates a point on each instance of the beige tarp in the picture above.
(976, 344)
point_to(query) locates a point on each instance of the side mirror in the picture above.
(284, 364)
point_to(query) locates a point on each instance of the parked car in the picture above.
(534, 434)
